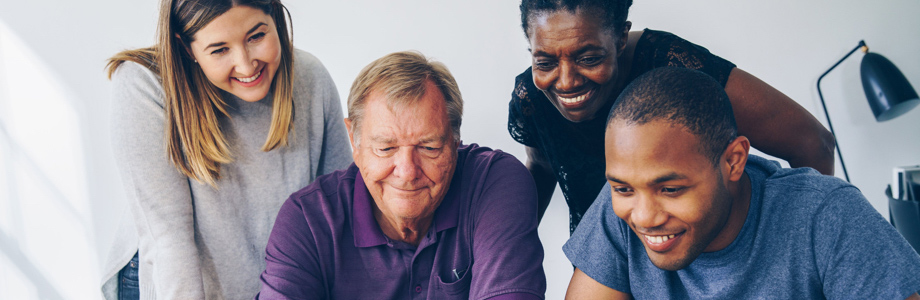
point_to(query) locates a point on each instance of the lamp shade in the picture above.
(888, 91)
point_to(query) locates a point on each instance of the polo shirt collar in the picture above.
(368, 233)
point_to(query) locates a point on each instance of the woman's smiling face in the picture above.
(239, 52)
(574, 61)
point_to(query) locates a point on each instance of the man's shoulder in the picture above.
(798, 182)
(478, 162)
(490, 178)
(472, 155)
(327, 189)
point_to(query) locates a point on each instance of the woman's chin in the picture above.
(577, 114)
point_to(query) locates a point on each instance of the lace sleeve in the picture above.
(659, 49)
(521, 110)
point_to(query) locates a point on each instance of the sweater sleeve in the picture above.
(326, 120)
(336, 148)
(159, 195)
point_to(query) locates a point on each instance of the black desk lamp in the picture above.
(888, 91)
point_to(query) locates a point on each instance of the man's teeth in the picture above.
(249, 79)
(658, 239)
(573, 100)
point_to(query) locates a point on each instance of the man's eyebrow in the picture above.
(614, 179)
(382, 139)
(658, 180)
(668, 177)
(432, 139)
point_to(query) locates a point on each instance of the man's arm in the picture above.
(856, 247)
(507, 253)
(543, 176)
(291, 270)
(583, 286)
(777, 125)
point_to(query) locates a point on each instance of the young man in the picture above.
(688, 214)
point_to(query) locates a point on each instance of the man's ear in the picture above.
(351, 135)
(735, 158)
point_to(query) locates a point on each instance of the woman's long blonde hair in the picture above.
(194, 141)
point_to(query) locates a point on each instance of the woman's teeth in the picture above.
(250, 79)
(573, 100)
(658, 239)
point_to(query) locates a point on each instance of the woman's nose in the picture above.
(244, 65)
(569, 78)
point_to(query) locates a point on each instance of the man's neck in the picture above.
(409, 231)
(740, 193)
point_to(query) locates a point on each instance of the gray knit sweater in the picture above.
(198, 242)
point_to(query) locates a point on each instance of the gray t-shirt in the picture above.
(806, 236)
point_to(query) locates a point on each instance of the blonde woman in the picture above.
(214, 127)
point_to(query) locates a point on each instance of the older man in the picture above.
(692, 216)
(417, 215)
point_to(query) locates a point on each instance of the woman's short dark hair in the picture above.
(612, 12)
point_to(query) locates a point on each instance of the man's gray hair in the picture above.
(401, 76)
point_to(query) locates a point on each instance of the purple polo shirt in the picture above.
(482, 243)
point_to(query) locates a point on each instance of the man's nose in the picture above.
(407, 164)
(647, 212)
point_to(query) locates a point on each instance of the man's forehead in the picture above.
(654, 134)
(390, 137)
(652, 152)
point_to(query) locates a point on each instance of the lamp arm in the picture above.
(862, 44)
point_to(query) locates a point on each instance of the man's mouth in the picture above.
(661, 243)
(658, 239)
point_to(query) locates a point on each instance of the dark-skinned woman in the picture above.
(584, 54)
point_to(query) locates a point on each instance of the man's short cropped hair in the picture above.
(684, 97)
(401, 76)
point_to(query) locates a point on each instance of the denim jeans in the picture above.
(127, 281)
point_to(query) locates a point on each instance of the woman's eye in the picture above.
(219, 51)
(256, 37)
(545, 65)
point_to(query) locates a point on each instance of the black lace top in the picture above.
(576, 150)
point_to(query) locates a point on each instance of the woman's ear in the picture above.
(624, 37)
(185, 46)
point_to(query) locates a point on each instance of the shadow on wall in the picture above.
(46, 237)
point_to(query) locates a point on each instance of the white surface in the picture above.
(59, 193)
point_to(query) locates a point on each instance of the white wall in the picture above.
(59, 193)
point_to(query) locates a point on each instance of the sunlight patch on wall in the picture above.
(44, 205)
